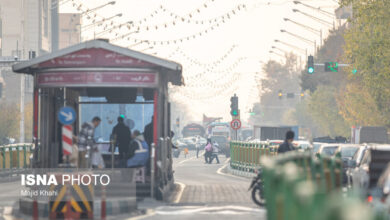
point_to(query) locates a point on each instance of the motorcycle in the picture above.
(257, 188)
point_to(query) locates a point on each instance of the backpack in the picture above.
(208, 147)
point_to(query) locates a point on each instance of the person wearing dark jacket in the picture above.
(122, 137)
(287, 144)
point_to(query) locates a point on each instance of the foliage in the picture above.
(367, 49)
(278, 76)
(324, 111)
(331, 51)
(9, 121)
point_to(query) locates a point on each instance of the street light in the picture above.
(281, 55)
(99, 23)
(124, 35)
(281, 50)
(98, 7)
(148, 48)
(297, 36)
(315, 31)
(315, 18)
(133, 45)
(115, 27)
(317, 9)
(292, 46)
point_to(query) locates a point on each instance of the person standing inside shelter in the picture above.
(122, 137)
(86, 139)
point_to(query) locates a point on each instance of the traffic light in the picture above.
(310, 64)
(280, 94)
(234, 105)
(331, 66)
(302, 95)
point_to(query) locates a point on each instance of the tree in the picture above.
(324, 112)
(9, 122)
(367, 49)
(278, 76)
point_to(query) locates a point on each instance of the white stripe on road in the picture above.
(231, 210)
(219, 171)
(179, 194)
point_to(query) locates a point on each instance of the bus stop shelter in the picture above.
(98, 74)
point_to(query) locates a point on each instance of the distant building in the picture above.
(69, 29)
(25, 25)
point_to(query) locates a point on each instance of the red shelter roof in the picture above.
(98, 54)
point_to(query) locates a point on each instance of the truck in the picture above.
(369, 134)
(264, 133)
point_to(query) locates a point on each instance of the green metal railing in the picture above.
(298, 186)
(246, 156)
(15, 156)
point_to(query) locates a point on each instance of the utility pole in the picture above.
(54, 25)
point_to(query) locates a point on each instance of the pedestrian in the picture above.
(208, 151)
(122, 137)
(148, 133)
(138, 155)
(287, 144)
(185, 152)
(214, 153)
(197, 146)
(86, 141)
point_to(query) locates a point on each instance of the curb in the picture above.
(113, 207)
(239, 172)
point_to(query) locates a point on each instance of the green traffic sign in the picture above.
(331, 67)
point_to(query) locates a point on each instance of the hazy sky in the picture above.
(245, 38)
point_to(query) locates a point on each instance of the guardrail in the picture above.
(246, 156)
(15, 155)
(298, 186)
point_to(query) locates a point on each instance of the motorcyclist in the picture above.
(214, 153)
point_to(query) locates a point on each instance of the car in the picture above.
(364, 174)
(328, 149)
(302, 145)
(316, 147)
(190, 142)
(347, 151)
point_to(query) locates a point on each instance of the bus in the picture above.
(193, 129)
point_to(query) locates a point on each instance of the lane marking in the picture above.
(149, 213)
(179, 194)
(219, 171)
(235, 210)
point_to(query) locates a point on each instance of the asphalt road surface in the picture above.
(207, 193)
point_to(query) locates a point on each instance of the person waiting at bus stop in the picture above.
(138, 155)
(287, 144)
(122, 137)
(86, 140)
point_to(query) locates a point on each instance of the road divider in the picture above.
(15, 156)
(299, 186)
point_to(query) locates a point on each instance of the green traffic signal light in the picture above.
(310, 70)
(354, 71)
(235, 113)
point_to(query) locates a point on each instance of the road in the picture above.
(208, 193)
(9, 194)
